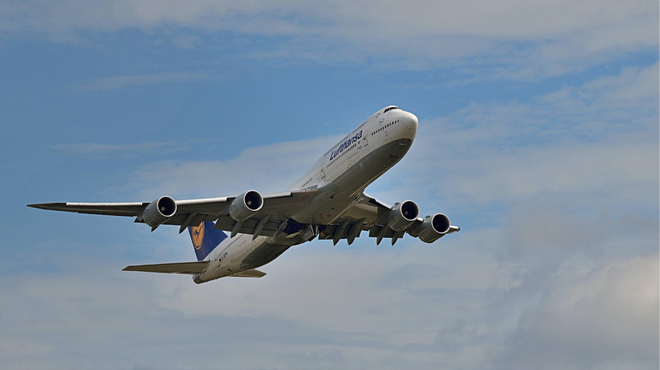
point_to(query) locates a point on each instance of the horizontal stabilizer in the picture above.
(190, 268)
(250, 274)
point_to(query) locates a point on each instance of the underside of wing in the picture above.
(273, 214)
(190, 268)
(272, 211)
(234, 214)
(364, 214)
(367, 207)
(386, 222)
(254, 273)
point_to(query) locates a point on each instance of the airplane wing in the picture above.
(271, 213)
(368, 213)
(275, 209)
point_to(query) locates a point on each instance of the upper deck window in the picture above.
(389, 109)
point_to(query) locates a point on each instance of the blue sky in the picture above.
(538, 136)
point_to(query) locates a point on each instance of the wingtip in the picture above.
(49, 206)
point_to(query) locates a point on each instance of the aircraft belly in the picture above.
(262, 255)
(341, 192)
(228, 261)
(371, 166)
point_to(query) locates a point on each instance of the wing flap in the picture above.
(226, 223)
(190, 268)
(366, 207)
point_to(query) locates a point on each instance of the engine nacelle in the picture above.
(246, 205)
(159, 211)
(434, 227)
(402, 215)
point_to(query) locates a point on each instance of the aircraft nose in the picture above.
(410, 120)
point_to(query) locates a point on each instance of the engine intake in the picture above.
(159, 211)
(403, 215)
(434, 227)
(246, 205)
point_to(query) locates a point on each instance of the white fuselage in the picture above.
(346, 169)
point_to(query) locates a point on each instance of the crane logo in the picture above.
(198, 235)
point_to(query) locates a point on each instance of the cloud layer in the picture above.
(510, 39)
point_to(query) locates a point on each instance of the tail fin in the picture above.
(205, 238)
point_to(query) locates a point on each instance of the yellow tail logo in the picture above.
(198, 235)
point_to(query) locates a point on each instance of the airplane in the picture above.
(328, 202)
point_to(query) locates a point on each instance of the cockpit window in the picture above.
(389, 109)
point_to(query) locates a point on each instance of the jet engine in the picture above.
(434, 227)
(402, 215)
(159, 211)
(246, 205)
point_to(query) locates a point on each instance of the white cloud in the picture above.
(606, 317)
(503, 39)
(456, 303)
(622, 171)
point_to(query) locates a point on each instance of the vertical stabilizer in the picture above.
(205, 238)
